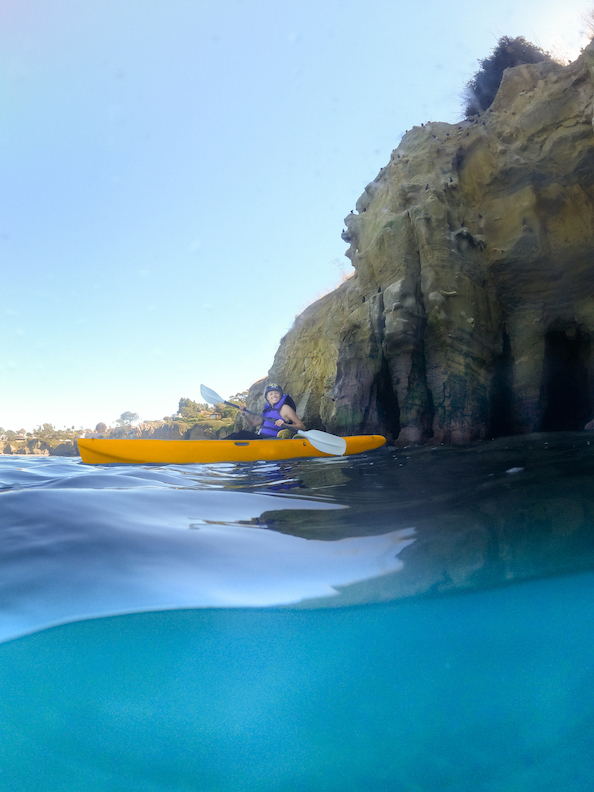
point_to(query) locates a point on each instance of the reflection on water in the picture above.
(460, 660)
(71, 554)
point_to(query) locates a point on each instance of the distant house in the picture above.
(215, 416)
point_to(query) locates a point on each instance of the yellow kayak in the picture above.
(100, 451)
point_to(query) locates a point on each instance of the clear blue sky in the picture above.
(174, 175)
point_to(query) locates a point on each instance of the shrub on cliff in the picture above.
(588, 19)
(482, 88)
(190, 410)
(127, 419)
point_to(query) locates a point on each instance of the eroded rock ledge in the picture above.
(471, 311)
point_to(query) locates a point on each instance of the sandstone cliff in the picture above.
(37, 447)
(175, 430)
(471, 311)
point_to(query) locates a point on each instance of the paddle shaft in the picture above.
(328, 443)
(251, 412)
(323, 441)
(213, 398)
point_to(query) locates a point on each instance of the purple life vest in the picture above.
(270, 415)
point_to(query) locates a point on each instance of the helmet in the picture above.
(273, 387)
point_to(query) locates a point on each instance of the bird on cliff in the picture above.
(426, 186)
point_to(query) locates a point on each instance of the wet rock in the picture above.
(64, 449)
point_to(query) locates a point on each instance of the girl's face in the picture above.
(273, 397)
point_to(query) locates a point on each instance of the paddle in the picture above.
(323, 441)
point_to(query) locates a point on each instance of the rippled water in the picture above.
(416, 619)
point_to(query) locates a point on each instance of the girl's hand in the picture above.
(280, 422)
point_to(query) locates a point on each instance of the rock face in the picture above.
(471, 311)
(38, 447)
(156, 430)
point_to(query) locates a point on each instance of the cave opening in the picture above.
(501, 423)
(387, 403)
(566, 404)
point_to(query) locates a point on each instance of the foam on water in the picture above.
(460, 660)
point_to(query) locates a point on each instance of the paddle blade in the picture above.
(210, 396)
(325, 442)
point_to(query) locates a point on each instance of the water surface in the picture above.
(416, 619)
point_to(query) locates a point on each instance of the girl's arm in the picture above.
(291, 417)
(253, 420)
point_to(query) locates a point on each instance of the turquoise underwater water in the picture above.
(416, 619)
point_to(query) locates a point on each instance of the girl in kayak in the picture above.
(277, 419)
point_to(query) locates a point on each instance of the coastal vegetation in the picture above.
(197, 411)
(192, 420)
(127, 419)
(480, 91)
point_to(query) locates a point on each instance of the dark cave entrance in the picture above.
(565, 396)
(501, 422)
(387, 403)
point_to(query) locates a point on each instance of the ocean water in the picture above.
(417, 619)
